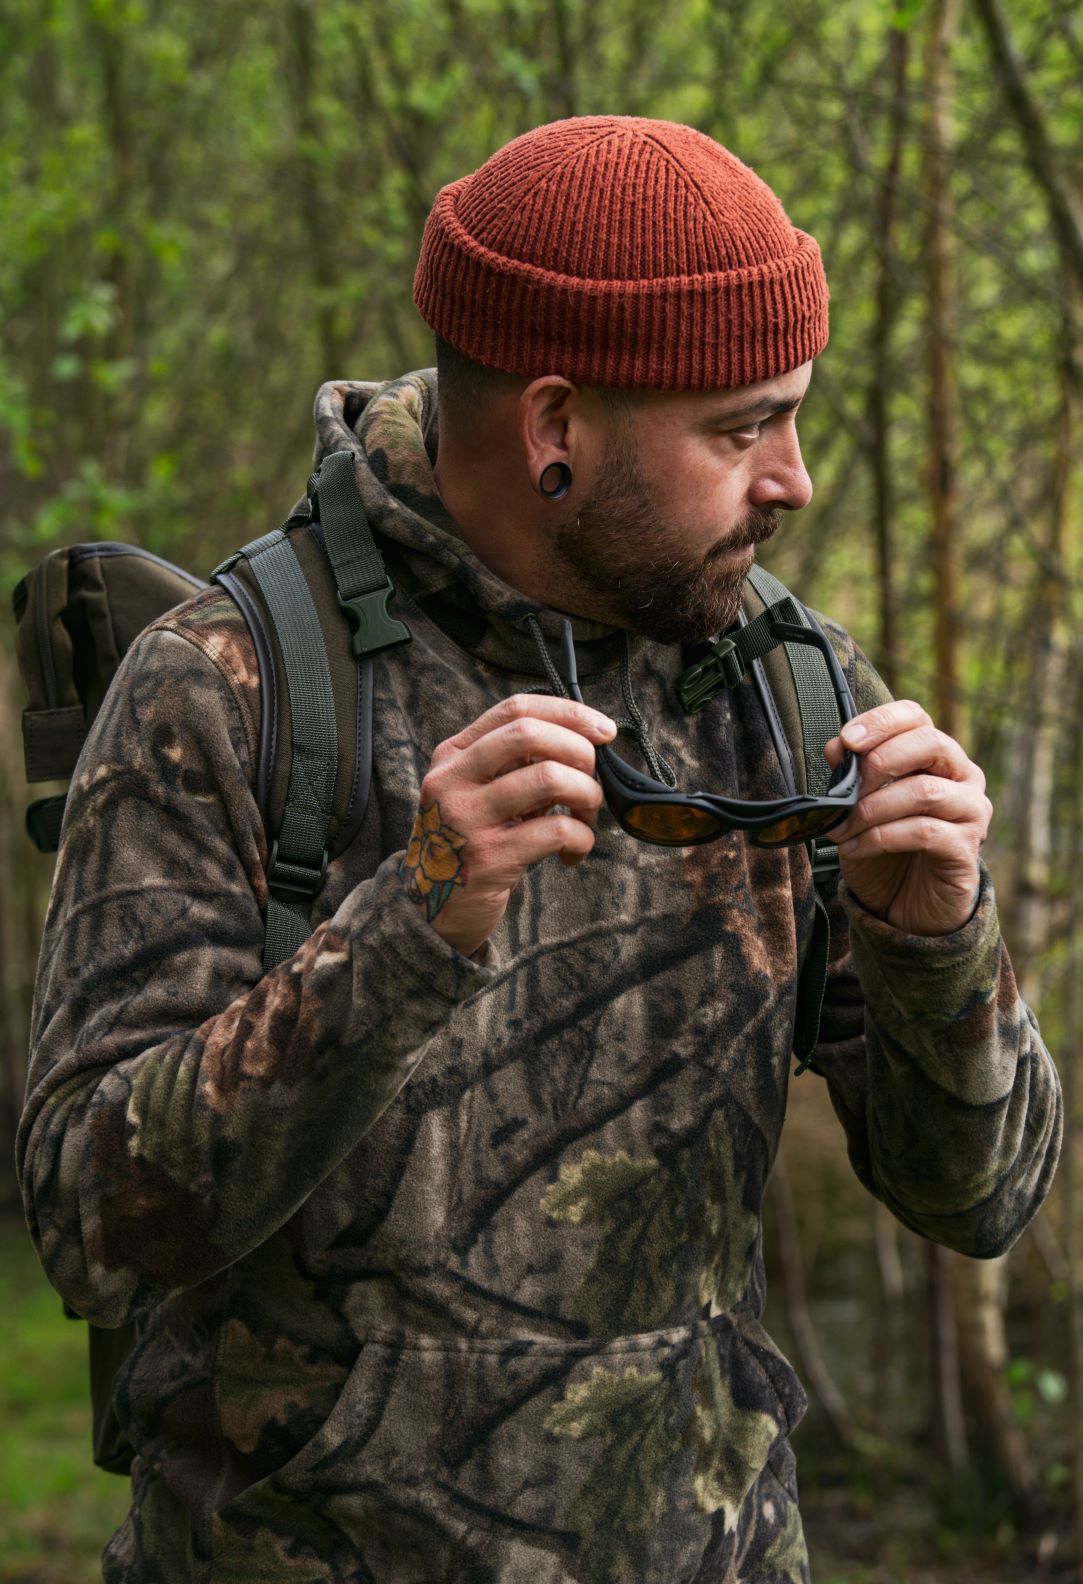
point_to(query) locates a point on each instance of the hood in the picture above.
(390, 428)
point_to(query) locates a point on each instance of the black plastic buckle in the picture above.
(374, 627)
(295, 880)
(724, 667)
(43, 821)
(825, 860)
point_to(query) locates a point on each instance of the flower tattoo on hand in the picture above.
(432, 867)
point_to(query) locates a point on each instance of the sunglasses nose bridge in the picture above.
(644, 810)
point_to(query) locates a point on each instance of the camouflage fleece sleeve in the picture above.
(936, 1067)
(181, 1104)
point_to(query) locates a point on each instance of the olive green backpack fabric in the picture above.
(314, 594)
(75, 614)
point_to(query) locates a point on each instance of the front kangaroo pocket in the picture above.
(521, 1461)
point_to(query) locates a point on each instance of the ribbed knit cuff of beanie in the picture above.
(621, 252)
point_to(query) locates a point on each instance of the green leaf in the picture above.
(111, 377)
(1051, 1386)
(66, 366)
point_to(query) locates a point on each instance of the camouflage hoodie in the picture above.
(448, 1268)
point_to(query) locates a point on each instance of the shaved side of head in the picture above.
(465, 388)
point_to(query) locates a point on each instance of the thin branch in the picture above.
(1064, 211)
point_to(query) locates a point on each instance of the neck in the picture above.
(502, 521)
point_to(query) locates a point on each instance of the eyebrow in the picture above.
(757, 411)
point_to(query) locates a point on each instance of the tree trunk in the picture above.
(948, 1428)
(981, 1292)
(112, 419)
(1025, 899)
(810, 1359)
(318, 221)
(888, 658)
(1070, 1165)
(1064, 209)
(882, 380)
(888, 1309)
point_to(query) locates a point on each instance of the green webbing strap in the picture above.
(297, 861)
(728, 663)
(755, 638)
(361, 578)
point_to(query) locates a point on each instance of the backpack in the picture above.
(78, 610)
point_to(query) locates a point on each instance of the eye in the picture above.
(746, 434)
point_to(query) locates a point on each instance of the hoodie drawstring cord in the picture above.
(659, 767)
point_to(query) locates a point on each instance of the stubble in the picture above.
(621, 557)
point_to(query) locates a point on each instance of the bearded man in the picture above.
(444, 1235)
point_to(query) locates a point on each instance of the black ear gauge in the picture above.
(555, 491)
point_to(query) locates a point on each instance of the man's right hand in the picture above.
(483, 817)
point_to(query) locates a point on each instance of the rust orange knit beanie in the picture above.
(622, 252)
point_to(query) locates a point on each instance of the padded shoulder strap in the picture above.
(300, 644)
(809, 684)
(805, 701)
(297, 860)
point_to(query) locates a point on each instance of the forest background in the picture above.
(207, 209)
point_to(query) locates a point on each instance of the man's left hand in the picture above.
(909, 849)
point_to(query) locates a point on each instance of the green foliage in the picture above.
(58, 1510)
(1033, 1387)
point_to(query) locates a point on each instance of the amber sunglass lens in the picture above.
(674, 824)
(797, 828)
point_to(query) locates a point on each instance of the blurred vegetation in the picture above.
(209, 208)
(56, 1509)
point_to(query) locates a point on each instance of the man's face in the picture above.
(689, 483)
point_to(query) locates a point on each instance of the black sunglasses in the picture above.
(653, 812)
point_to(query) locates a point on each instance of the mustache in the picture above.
(755, 529)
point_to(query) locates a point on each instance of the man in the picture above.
(444, 1235)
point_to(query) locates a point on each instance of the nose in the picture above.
(781, 477)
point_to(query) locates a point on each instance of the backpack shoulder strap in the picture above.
(804, 698)
(316, 686)
(802, 688)
(297, 849)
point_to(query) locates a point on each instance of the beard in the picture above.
(621, 555)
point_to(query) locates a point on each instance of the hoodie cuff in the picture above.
(407, 933)
(935, 998)
(903, 947)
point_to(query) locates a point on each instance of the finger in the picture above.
(926, 748)
(522, 845)
(875, 726)
(517, 794)
(954, 801)
(541, 706)
(922, 833)
(517, 743)
(923, 748)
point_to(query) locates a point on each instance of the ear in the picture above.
(550, 417)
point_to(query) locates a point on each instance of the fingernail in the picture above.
(854, 733)
(604, 726)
